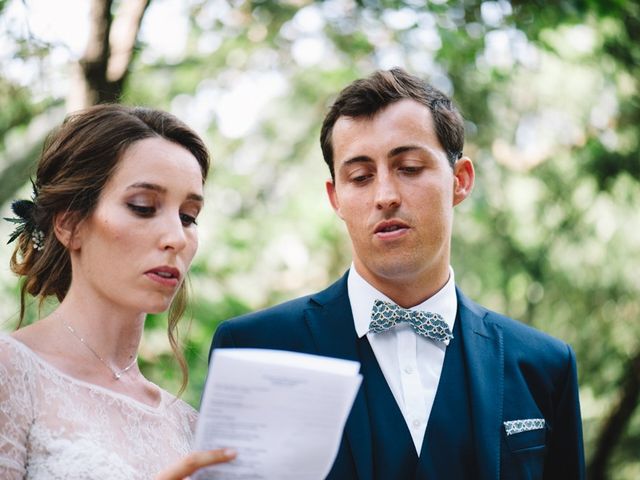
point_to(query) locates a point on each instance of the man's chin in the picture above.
(393, 269)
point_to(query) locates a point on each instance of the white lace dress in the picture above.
(53, 426)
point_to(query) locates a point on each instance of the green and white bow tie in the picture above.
(385, 315)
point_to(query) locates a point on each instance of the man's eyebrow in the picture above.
(394, 152)
(358, 159)
(403, 149)
(157, 188)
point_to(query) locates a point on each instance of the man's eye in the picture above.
(187, 220)
(360, 178)
(411, 170)
(141, 210)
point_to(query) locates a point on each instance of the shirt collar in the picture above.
(362, 295)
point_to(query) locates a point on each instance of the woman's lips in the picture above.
(166, 276)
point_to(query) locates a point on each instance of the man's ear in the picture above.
(66, 228)
(333, 196)
(463, 179)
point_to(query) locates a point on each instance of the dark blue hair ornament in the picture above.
(26, 211)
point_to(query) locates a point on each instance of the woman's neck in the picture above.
(110, 340)
(110, 332)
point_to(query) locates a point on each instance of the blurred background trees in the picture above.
(550, 91)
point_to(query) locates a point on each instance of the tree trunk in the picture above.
(617, 420)
(99, 77)
(104, 67)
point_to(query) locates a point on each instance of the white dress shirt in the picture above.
(411, 363)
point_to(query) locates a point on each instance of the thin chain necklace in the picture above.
(116, 373)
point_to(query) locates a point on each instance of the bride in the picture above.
(111, 232)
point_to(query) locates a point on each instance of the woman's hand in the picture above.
(194, 461)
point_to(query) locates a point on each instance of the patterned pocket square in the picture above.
(524, 425)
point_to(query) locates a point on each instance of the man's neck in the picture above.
(407, 292)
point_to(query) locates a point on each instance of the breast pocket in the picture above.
(523, 455)
(532, 441)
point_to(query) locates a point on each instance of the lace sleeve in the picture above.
(16, 412)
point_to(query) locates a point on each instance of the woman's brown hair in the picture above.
(77, 161)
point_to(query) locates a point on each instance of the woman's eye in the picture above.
(142, 210)
(187, 220)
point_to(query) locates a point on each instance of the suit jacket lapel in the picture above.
(484, 353)
(331, 324)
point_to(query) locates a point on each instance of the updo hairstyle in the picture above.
(77, 161)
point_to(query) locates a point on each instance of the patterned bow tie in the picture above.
(385, 315)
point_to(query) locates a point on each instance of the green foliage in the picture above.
(552, 99)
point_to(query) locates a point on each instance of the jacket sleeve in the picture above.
(565, 457)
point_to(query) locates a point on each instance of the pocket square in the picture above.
(524, 425)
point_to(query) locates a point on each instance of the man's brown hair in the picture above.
(366, 97)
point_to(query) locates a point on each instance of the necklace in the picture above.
(116, 373)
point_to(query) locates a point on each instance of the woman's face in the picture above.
(134, 251)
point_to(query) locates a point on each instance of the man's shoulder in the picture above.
(281, 327)
(282, 312)
(291, 310)
(521, 342)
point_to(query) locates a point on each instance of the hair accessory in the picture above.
(26, 220)
(37, 237)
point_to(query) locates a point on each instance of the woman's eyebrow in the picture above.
(147, 186)
(196, 197)
(158, 188)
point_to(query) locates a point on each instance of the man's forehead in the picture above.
(408, 110)
(405, 122)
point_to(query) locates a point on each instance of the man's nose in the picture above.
(387, 193)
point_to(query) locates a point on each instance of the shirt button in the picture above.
(408, 370)
(416, 423)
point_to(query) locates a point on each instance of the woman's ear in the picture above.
(65, 226)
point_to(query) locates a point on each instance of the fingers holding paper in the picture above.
(195, 461)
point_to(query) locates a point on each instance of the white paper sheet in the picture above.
(284, 413)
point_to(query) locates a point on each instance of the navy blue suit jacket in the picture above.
(515, 372)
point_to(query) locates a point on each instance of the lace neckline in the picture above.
(126, 398)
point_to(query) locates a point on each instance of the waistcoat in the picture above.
(447, 450)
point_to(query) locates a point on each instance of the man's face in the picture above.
(395, 190)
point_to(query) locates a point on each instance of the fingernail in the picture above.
(230, 452)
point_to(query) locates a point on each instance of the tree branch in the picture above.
(122, 39)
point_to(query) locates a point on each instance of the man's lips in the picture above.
(165, 275)
(390, 229)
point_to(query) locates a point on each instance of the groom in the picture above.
(451, 390)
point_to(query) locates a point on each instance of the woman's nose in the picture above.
(174, 237)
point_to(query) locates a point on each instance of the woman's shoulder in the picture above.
(13, 353)
(19, 368)
(7, 340)
(176, 404)
(23, 367)
(184, 415)
(18, 376)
